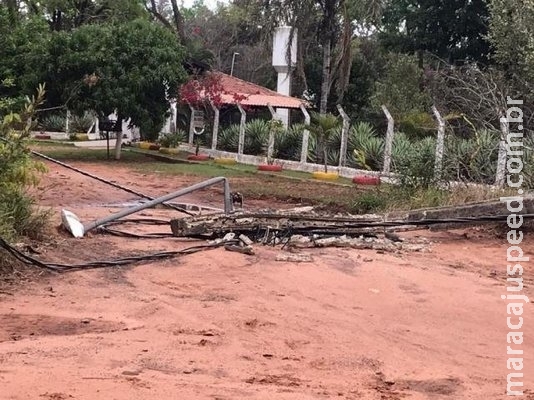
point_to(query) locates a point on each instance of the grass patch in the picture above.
(72, 153)
(48, 143)
(388, 198)
(292, 186)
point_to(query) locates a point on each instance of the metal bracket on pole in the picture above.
(440, 144)
(388, 148)
(305, 136)
(73, 224)
(241, 144)
(344, 136)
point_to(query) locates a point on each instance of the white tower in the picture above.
(284, 66)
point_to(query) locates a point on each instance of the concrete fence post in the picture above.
(241, 145)
(215, 132)
(305, 136)
(501, 160)
(344, 136)
(388, 148)
(270, 144)
(67, 122)
(440, 144)
(191, 126)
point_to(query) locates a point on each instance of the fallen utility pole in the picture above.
(304, 222)
(256, 223)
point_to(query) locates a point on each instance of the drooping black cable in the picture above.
(57, 267)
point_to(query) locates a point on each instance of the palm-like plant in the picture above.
(323, 126)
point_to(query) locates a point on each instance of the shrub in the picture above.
(18, 172)
(473, 159)
(228, 139)
(172, 139)
(288, 143)
(416, 167)
(369, 202)
(417, 125)
(256, 138)
(365, 148)
(81, 124)
(53, 123)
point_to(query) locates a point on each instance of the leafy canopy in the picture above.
(133, 68)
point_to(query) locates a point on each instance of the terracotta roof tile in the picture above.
(254, 95)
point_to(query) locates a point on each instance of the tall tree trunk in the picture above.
(325, 85)
(118, 141)
(13, 11)
(178, 21)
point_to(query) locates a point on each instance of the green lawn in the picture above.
(292, 186)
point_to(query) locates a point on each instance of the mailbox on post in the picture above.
(199, 125)
(199, 122)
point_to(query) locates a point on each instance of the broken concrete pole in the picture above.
(252, 223)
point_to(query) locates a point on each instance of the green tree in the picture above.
(132, 69)
(454, 30)
(333, 25)
(400, 88)
(65, 15)
(22, 49)
(512, 35)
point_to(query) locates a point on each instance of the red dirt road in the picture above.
(353, 324)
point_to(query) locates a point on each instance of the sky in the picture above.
(209, 3)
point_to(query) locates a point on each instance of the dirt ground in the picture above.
(352, 324)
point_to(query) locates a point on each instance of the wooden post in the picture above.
(388, 148)
(305, 136)
(440, 144)
(501, 160)
(215, 126)
(191, 126)
(241, 144)
(270, 145)
(344, 136)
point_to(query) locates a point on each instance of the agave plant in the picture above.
(228, 139)
(53, 123)
(81, 123)
(402, 146)
(256, 137)
(172, 139)
(365, 147)
(288, 143)
(472, 159)
(323, 127)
